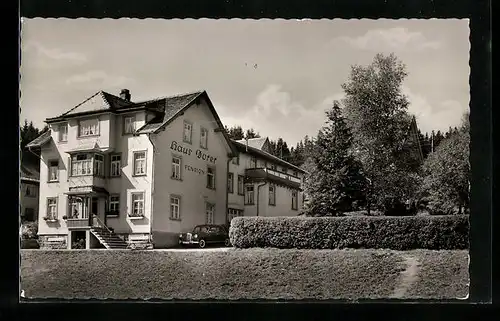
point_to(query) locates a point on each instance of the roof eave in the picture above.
(120, 110)
(262, 153)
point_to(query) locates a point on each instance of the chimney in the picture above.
(125, 94)
(246, 139)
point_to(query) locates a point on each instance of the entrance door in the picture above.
(94, 208)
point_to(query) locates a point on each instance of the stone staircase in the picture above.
(107, 238)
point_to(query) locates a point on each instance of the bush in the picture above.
(79, 244)
(397, 233)
(29, 231)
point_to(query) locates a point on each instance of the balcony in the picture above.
(84, 181)
(267, 174)
(75, 223)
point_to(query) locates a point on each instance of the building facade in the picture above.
(29, 191)
(117, 173)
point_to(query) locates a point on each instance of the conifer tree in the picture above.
(336, 180)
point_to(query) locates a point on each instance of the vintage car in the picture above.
(202, 235)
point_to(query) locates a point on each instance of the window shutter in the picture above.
(68, 169)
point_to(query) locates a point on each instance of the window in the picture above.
(175, 207)
(29, 214)
(52, 208)
(53, 171)
(253, 162)
(116, 166)
(272, 195)
(176, 167)
(76, 208)
(114, 205)
(294, 200)
(210, 210)
(241, 185)
(30, 191)
(188, 132)
(249, 195)
(232, 213)
(139, 163)
(230, 182)
(81, 164)
(211, 177)
(203, 138)
(137, 204)
(236, 160)
(88, 127)
(129, 124)
(99, 165)
(273, 167)
(63, 132)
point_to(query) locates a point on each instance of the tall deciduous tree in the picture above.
(376, 111)
(335, 181)
(446, 183)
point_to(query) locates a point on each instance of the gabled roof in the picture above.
(166, 109)
(171, 107)
(29, 173)
(254, 142)
(98, 102)
(40, 140)
(257, 152)
(174, 106)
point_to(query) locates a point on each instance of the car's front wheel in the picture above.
(202, 244)
(227, 243)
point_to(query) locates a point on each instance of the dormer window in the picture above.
(89, 127)
(129, 125)
(63, 132)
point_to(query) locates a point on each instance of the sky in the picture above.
(276, 76)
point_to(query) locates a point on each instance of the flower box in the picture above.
(140, 217)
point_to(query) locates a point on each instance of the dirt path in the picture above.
(408, 277)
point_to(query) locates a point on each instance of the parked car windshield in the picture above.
(204, 229)
(196, 229)
(216, 229)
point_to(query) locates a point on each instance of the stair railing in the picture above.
(100, 223)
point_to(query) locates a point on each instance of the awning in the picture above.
(92, 147)
(87, 190)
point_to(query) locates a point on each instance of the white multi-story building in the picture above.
(115, 172)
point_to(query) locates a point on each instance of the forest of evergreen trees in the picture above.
(298, 154)
(28, 132)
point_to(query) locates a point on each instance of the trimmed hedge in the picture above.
(396, 233)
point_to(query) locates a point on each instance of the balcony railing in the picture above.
(83, 181)
(77, 223)
(273, 176)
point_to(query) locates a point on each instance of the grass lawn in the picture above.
(244, 274)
